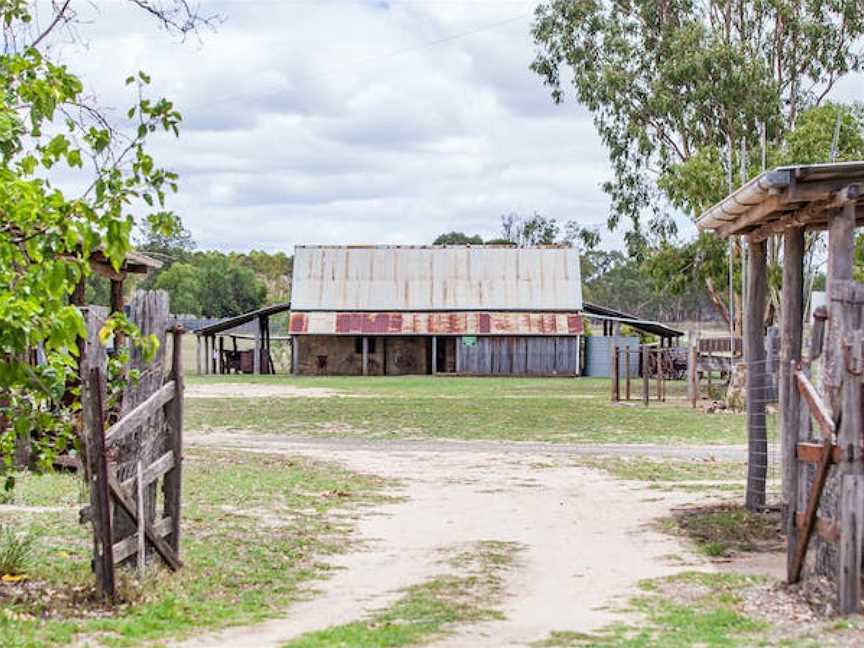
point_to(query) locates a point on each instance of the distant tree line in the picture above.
(206, 283)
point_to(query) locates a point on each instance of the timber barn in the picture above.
(397, 310)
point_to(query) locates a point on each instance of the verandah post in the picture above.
(792, 304)
(646, 377)
(757, 438)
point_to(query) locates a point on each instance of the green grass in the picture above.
(714, 611)
(691, 609)
(516, 409)
(430, 609)
(255, 530)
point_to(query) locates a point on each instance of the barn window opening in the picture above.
(358, 345)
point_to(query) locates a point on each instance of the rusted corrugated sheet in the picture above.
(444, 323)
(436, 278)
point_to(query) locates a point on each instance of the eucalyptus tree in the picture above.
(676, 86)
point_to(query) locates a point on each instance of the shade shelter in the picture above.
(135, 263)
(213, 358)
(823, 465)
(612, 319)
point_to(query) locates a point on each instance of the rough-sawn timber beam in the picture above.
(809, 215)
(825, 195)
(752, 217)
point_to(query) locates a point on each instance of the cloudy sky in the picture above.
(354, 121)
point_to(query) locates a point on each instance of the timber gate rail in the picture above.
(124, 463)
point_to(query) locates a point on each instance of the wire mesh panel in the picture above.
(765, 458)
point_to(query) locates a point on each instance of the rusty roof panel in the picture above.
(433, 278)
(437, 323)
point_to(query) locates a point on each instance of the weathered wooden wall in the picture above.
(506, 356)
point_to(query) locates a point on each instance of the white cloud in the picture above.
(338, 121)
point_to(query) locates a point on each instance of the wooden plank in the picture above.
(794, 572)
(365, 360)
(138, 416)
(613, 374)
(152, 472)
(141, 545)
(162, 547)
(129, 546)
(100, 505)
(824, 528)
(851, 535)
(172, 486)
(812, 453)
(754, 350)
(434, 355)
(818, 409)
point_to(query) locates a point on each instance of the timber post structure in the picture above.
(822, 430)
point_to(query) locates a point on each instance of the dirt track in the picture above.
(587, 538)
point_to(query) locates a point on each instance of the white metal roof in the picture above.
(429, 278)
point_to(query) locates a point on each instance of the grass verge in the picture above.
(715, 611)
(430, 609)
(721, 530)
(255, 531)
(516, 409)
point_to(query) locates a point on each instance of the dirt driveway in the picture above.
(587, 538)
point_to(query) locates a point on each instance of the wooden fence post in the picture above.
(693, 370)
(174, 416)
(100, 504)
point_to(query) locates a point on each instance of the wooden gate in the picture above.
(826, 511)
(126, 461)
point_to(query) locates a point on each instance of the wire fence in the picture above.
(763, 433)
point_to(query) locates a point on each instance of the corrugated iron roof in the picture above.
(436, 278)
(232, 322)
(595, 311)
